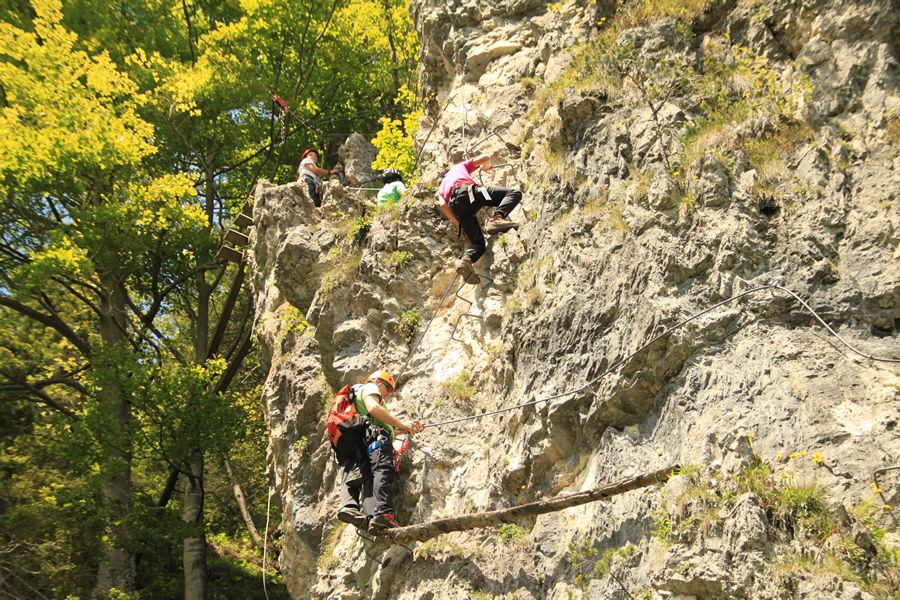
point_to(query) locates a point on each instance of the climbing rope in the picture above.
(668, 331)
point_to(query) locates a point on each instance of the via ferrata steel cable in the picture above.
(668, 331)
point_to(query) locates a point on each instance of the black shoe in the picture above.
(382, 522)
(353, 517)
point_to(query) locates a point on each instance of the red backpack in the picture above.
(344, 415)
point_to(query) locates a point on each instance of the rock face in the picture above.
(663, 173)
(355, 156)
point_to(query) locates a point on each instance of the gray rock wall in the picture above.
(628, 227)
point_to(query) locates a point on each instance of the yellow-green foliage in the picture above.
(585, 73)
(408, 324)
(391, 208)
(394, 141)
(64, 110)
(340, 265)
(359, 228)
(591, 68)
(398, 259)
(790, 504)
(822, 544)
(460, 388)
(292, 319)
(589, 564)
(513, 534)
(637, 14)
(735, 84)
(327, 558)
(301, 445)
(242, 552)
(768, 154)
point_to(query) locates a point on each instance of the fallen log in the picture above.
(426, 531)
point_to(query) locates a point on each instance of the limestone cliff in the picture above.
(672, 154)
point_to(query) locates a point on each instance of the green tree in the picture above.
(84, 223)
(131, 133)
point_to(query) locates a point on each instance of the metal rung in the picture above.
(243, 220)
(233, 236)
(230, 254)
(467, 314)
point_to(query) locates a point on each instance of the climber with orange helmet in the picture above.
(361, 431)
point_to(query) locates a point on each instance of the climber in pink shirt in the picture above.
(460, 198)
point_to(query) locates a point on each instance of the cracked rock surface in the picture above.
(616, 246)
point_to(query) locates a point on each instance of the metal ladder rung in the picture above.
(235, 237)
(243, 220)
(466, 314)
(230, 254)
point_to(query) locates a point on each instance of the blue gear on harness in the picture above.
(380, 440)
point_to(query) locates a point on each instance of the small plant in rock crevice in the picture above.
(359, 229)
(460, 389)
(398, 259)
(340, 265)
(797, 512)
(292, 320)
(588, 563)
(662, 521)
(513, 534)
(408, 324)
(327, 558)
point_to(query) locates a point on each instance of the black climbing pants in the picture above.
(353, 465)
(466, 212)
(313, 188)
(378, 489)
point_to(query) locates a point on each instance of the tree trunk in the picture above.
(194, 549)
(117, 568)
(194, 552)
(242, 505)
(426, 531)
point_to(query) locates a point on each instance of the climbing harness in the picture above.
(656, 338)
(380, 441)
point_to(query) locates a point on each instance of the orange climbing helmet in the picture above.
(384, 376)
